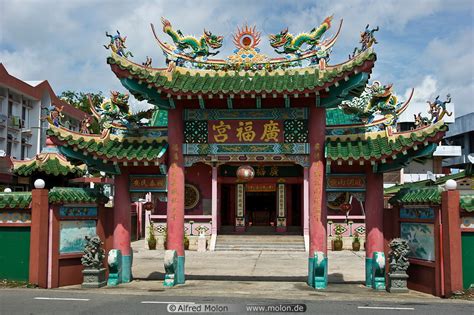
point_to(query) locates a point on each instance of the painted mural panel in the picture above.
(420, 237)
(417, 213)
(77, 211)
(72, 233)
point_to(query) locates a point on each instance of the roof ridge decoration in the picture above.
(437, 111)
(190, 45)
(115, 114)
(189, 52)
(117, 45)
(377, 107)
(367, 40)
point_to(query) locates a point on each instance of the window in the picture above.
(9, 147)
(10, 108)
(24, 116)
(24, 150)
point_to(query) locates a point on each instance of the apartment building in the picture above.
(23, 106)
(426, 168)
(461, 134)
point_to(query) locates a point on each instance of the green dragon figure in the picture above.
(376, 99)
(293, 44)
(115, 113)
(190, 45)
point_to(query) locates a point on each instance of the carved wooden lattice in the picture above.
(296, 131)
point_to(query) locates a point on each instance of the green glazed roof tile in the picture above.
(120, 148)
(15, 200)
(74, 195)
(368, 146)
(235, 82)
(427, 195)
(467, 203)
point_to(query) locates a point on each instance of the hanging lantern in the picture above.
(245, 173)
(148, 206)
(345, 207)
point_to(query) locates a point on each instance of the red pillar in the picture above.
(39, 238)
(123, 223)
(317, 169)
(317, 199)
(374, 213)
(175, 206)
(373, 221)
(452, 251)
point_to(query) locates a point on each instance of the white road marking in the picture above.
(164, 302)
(387, 308)
(60, 299)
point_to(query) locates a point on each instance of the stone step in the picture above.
(286, 243)
(257, 249)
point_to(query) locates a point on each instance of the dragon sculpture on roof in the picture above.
(376, 99)
(294, 44)
(115, 113)
(192, 46)
(437, 111)
(117, 45)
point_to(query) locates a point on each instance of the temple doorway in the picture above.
(261, 208)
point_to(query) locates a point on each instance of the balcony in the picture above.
(14, 122)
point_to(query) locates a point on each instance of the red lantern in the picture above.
(245, 173)
(148, 206)
(346, 207)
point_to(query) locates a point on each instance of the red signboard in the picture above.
(346, 182)
(258, 187)
(245, 131)
(147, 183)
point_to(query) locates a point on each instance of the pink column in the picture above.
(374, 229)
(306, 208)
(317, 196)
(374, 214)
(123, 222)
(214, 207)
(175, 205)
(317, 273)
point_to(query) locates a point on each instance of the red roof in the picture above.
(37, 91)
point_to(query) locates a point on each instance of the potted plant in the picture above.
(337, 242)
(356, 242)
(151, 237)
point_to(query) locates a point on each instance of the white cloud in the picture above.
(62, 41)
(421, 95)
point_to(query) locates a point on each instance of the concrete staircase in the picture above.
(244, 242)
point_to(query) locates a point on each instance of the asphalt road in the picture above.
(37, 301)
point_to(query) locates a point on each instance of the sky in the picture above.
(426, 45)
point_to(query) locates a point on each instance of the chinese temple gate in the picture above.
(252, 140)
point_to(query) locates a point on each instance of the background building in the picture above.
(461, 134)
(23, 105)
(429, 167)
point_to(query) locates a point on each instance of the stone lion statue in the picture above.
(397, 256)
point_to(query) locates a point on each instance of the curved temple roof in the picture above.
(150, 83)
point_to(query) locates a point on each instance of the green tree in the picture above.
(80, 100)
